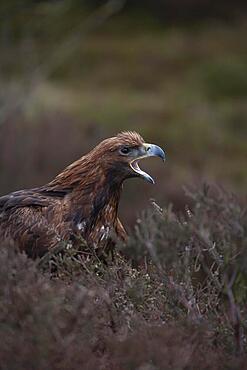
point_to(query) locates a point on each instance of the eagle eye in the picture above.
(125, 150)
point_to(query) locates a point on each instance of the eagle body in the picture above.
(81, 202)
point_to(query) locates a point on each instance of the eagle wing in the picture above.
(24, 221)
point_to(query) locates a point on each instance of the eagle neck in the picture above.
(102, 195)
(93, 195)
(95, 199)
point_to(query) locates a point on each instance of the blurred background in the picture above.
(74, 72)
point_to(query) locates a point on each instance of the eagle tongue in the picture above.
(141, 173)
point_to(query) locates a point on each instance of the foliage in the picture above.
(174, 296)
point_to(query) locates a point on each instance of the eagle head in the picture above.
(121, 155)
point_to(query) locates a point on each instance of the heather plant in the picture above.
(200, 255)
(173, 297)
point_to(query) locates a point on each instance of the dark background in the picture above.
(75, 72)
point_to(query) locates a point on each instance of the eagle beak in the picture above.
(147, 150)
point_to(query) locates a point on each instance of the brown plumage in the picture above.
(82, 201)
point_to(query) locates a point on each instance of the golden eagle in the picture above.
(82, 201)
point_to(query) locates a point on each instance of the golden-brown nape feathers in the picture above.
(130, 137)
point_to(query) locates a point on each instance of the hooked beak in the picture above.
(147, 150)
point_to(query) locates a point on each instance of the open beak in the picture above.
(147, 150)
